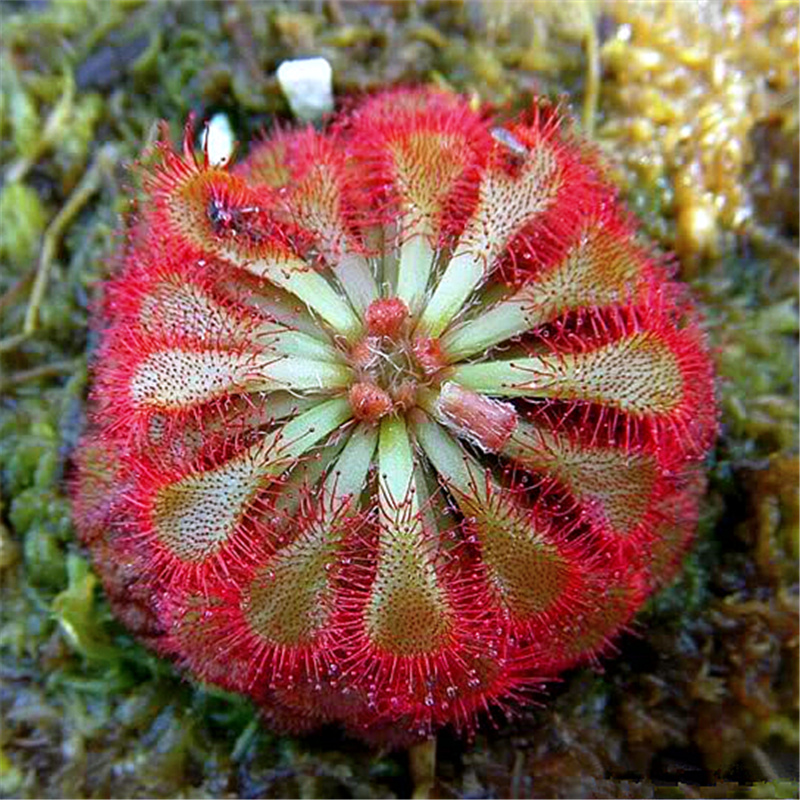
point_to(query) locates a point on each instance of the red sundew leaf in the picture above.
(616, 262)
(412, 680)
(151, 270)
(315, 192)
(578, 491)
(273, 625)
(133, 401)
(218, 641)
(535, 194)
(539, 570)
(417, 155)
(98, 484)
(615, 596)
(201, 211)
(197, 524)
(685, 423)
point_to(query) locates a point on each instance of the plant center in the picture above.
(391, 365)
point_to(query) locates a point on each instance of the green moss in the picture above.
(74, 608)
(775, 789)
(22, 222)
(19, 112)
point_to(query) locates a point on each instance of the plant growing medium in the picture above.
(394, 422)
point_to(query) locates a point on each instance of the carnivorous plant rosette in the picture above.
(392, 422)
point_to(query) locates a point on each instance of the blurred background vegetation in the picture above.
(695, 108)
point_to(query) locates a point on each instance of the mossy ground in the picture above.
(701, 699)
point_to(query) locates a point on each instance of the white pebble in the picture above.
(218, 140)
(307, 84)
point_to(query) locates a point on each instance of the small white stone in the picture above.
(307, 83)
(218, 140)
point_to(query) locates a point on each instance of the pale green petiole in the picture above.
(279, 449)
(348, 476)
(357, 280)
(283, 341)
(462, 276)
(415, 267)
(517, 378)
(303, 432)
(310, 287)
(461, 472)
(397, 498)
(449, 459)
(503, 321)
(301, 374)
